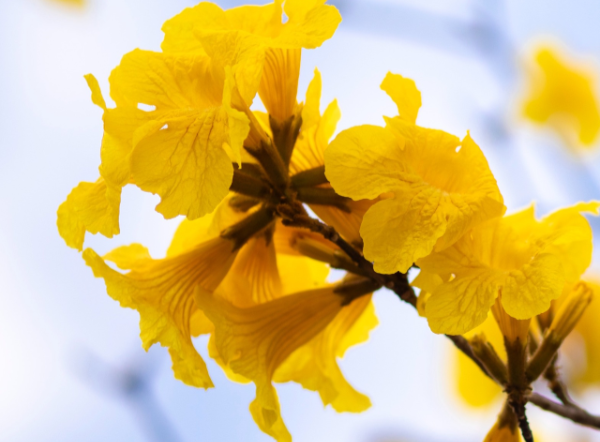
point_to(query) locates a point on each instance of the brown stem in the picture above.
(517, 402)
(571, 412)
(397, 282)
(399, 285)
(556, 385)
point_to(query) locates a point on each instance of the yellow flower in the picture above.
(563, 95)
(255, 38)
(266, 272)
(523, 261)
(182, 150)
(436, 188)
(248, 273)
(255, 341)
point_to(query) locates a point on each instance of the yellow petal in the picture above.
(528, 291)
(255, 341)
(91, 207)
(310, 23)
(315, 367)
(120, 125)
(457, 169)
(191, 172)
(365, 161)
(475, 388)
(530, 262)
(441, 189)
(462, 304)
(298, 273)
(399, 231)
(97, 97)
(405, 94)
(182, 152)
(254, 277)
(162, 292)
(254, 39)
(129, 257)
(563, 96)
(567, 234)
(279, 82)
(316, 130)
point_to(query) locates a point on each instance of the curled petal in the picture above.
(91, 207)
(162, 292)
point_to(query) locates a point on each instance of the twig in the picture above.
(556, 385)
(571, 412)
(517, 401)
(397, 282)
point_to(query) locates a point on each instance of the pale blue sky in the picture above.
(53, 312)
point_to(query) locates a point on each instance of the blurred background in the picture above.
(71, 363)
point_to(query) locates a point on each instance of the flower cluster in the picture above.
(248, 264)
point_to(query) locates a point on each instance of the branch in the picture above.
(571, 412)
(397, 282)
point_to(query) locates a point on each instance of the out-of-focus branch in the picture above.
(132, 385)
(571, 412)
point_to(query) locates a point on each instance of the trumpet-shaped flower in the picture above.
(254, 342)
(270, 271)
(523, 261)
(435, 187)
(563, 95)
(266, 50)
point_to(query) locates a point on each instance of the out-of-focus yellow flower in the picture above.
(563, 95)
(266, 50)
(435, 186)
(78, 3)
(528, 262)
(586, 371)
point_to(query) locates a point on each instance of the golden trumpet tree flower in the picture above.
(436, 187)
(525, 262)
(562, 94)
